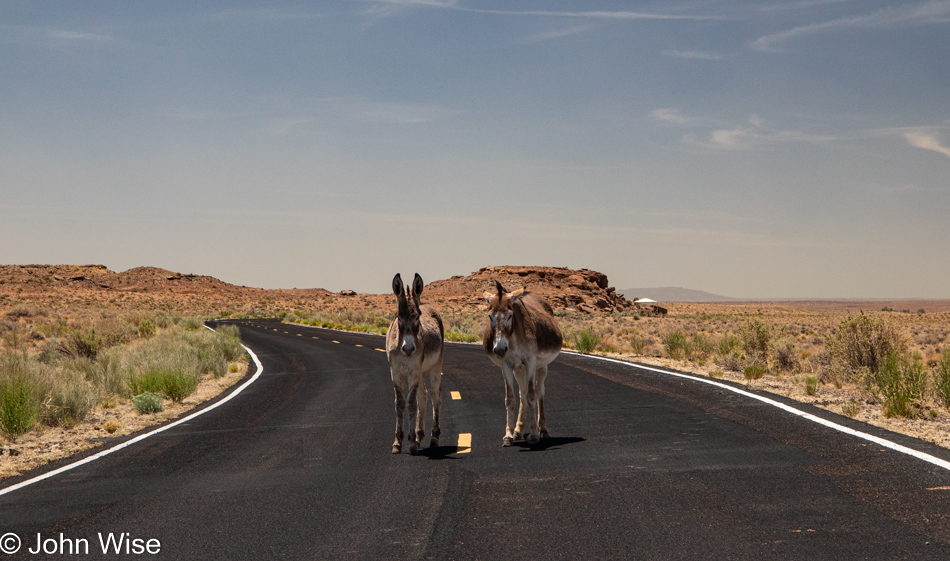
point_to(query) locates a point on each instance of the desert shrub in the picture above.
(148, 380)
(862, 343)
(637, 344)
(111, 426)
(114, 331)
(192, 323)
(851, 409)
(452, 335)
(901, 381)
(174, 383)
(105, 373)
(941, 379)
(228, 343)
(677, 345)
(755, 335)
(147, 402)
(14, 336)
(729, 353)
(700, 348)
(70, 400)
(19, 407)
(146, 329)
(82, 344)
(753, 372)
(177, 385)
(783, 354)
(171, 362)
(586, 340)
(811, 385)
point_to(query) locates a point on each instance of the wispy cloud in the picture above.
(556, 34)
(262, 14)
(676, 117)
(927, 142)
(694, 55)
(607, 15)
(927, 13)
(387, 7)
(800, 5)
(717, 135)
(380, 9)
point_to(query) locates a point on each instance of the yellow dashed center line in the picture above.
(337, 342)
(316, 337)
(455, 395)
(465, 443)
(359, 345)
(381, 350)
(299, 334)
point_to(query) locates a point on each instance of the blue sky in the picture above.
(796, 148)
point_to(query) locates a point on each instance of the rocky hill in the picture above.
(581, 290)
(93, 286)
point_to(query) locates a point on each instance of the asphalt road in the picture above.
(640, 465)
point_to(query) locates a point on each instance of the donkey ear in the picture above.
(488, 296)
(499, 288)
(516, 295)
(417, 286)
(397, 285)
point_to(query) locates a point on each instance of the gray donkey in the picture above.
(413, 346)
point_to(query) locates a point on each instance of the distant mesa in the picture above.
(581, 290)
(674, 294)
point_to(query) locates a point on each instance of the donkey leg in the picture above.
(542, 425)
(400, 406)
(411, 409)
(435, 385)
(529, 402)
(509, 405)
(422, 396)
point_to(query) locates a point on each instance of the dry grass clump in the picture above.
(57, 380)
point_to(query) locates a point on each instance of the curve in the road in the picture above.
(141, 437)
(813, 418)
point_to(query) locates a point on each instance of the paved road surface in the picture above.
(640, 466)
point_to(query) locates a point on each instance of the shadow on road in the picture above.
(549, 443)
(440, 452)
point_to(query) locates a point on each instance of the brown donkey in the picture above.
(522, 338)
(413, 346)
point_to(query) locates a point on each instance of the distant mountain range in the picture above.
(673, 294)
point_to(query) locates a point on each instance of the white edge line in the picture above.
(788, 408)
(116, 448)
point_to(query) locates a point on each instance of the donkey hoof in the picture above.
(434, 443)
(517, 435)
(544, 434)
(507, 441)
(532, 439)
(413, 448)
(396, 448)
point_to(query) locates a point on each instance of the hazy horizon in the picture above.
(749, 149)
